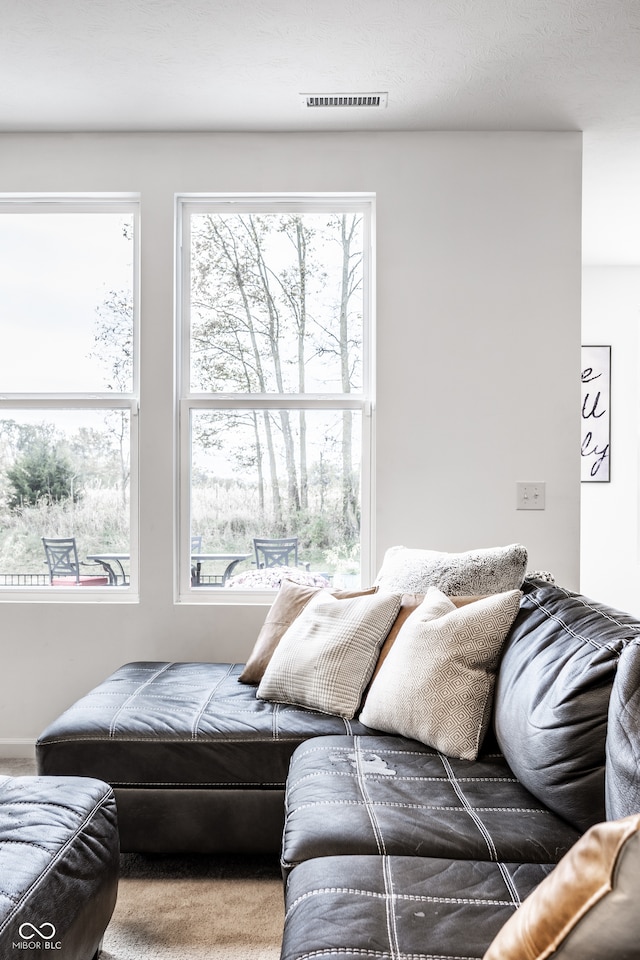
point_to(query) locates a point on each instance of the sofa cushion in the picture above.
(586, 907)
(356, 796)
(326, 657)
(552, 697)
(414, 908)
(437, 682)
(162, 724)
(488, 570)
(289, 603)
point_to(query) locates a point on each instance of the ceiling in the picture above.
(227, 65)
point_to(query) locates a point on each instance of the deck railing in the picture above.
(24, 580)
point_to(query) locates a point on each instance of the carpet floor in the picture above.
(191, 907)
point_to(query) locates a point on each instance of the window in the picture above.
(68, 391)
(276, 390)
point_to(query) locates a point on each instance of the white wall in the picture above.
(610, 558)
(478, 298)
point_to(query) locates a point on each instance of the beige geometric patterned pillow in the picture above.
(326, 657)
(436, 684)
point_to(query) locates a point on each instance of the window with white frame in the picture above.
(68, 395)
(275, 313)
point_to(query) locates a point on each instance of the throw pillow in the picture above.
(327, 655)
(476, 572)
(436, 684)
(586, 907)
(290, 601)
(408, 604)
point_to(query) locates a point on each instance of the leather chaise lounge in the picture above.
(390, 848)
(196, 762)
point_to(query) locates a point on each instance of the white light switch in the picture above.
(530, 495)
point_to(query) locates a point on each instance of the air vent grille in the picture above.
(344, 99)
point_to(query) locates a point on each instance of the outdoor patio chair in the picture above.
(64, 567)
(196, 547)
(277, 552)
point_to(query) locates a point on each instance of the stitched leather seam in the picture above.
(398, 777)
(38, 804)
(133, 695)
(578, 636)
(323, 748)
(509, 883)
(601, 613)
(156, 739)
(430, 754)
(407, 897)
(222, 785)
(7, 896)
(378, 954)
(205, 704)
(493, 853)
(60, 852)
(392, 928)
(377, 832)
(463, 808)
(27, 843)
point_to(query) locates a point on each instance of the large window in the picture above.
(68, 394)
(275, 373)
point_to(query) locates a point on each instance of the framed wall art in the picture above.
(595, 422)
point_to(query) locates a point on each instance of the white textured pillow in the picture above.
(476, 572)
(326, 657)
(436, 684)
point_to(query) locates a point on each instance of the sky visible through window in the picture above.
(55, 271)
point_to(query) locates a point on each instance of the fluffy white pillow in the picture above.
(326, 657)
(474, 573)
(436, 684)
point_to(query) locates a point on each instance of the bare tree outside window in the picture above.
(277, 320)
(67, 378)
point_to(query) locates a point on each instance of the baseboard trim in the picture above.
(17, 748)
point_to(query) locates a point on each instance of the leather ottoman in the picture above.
(59, 862)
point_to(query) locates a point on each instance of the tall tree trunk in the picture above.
(231, 254)
(274, 324)
(350, 521)
(301, 246)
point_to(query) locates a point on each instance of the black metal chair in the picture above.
(196, 547)
(277, 552)
(64, 567)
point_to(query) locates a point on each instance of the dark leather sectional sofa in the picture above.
(389, 848)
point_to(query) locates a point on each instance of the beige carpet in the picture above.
(192, 908)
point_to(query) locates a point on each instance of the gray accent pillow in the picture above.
(326, 657)
(436, 684)
(476, 572)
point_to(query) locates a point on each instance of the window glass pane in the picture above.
(272, 474)
(66, 302)
(276, 302)
(63, 473)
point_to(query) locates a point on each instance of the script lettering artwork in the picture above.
(595, 414)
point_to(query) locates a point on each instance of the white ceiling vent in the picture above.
(344, 99)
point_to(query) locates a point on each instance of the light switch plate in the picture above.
(530, 495)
